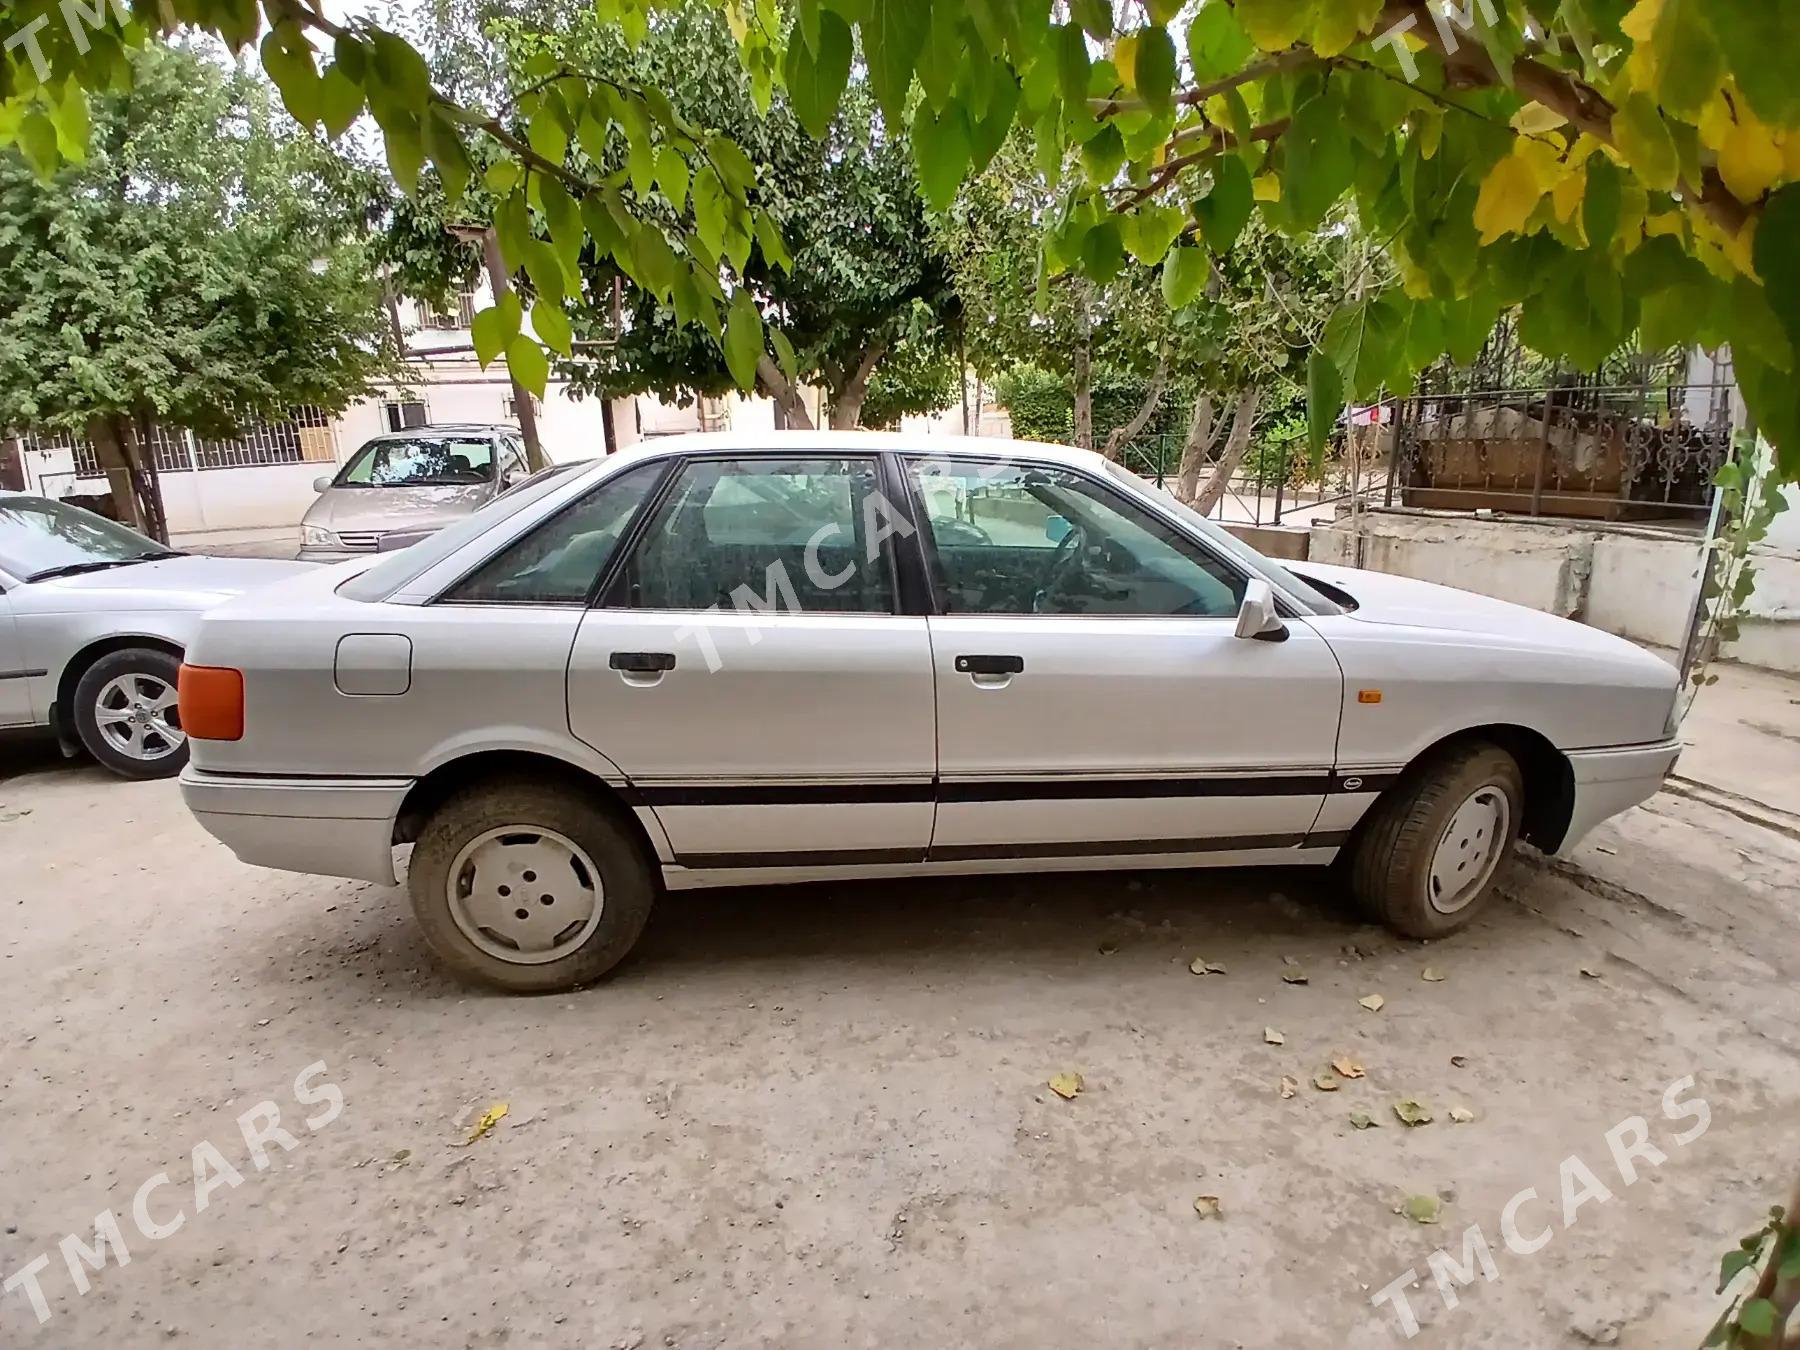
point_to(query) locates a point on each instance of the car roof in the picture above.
(788, 442)
(446, 426)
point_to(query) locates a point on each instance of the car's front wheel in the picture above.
(529, 887)
(1426, 860)
(126, 715)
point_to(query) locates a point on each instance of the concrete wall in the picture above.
(1635, 581)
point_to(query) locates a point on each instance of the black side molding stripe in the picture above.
(1001, 790)
(21, 674)
(775, 794)
(843, 857)
(1025, 853)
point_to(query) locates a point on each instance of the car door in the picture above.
(750, 671)
(1092, 696)
(15, 680)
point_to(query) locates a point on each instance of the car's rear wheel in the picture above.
(126, 714)
(529, 887)
(1426, 860)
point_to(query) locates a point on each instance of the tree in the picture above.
(1613, 167)
(199, 268)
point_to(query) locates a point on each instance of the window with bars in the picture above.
(304, 436)
(458, 311)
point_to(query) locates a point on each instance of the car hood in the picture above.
(1382, 598)
(380, 510)
(190, 582)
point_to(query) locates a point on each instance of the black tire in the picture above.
(1391, 857)
(152, 662)
(627, 883)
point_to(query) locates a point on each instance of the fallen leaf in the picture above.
(1201, 966)
(1066, 1085)
(1108, 948)
(1273, 1037)
(1289, 1086)
(1431, 975)
(1293, 975)
(1373, 1002)
(1362, 1120)
(1590, 972)
(489, 1118)
(1459, 1061)
(1412, 1112)
(1461, 1115)
(1325, 1081)
(1207, 1207)
(1347, 1067)
(1423, 1208)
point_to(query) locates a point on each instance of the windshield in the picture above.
(40, 537)
(420, 461)
(1227, 542)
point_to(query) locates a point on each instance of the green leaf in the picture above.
(734, 166)
(398, 69)
(1643, 138)
(784, 355)
(1600, 207)
(1360, 338)
(774, 247)
(288, 59)
(1225, 210)
(1758, 1317)
(551, 323)
(941, 148)
(1319, 165)
(988, 134)
(1324, 400)
(37, 140)
(1275, 24)
(526, 362)
(1102, 156)
(816, 76)
(490, 334)
(1071, 63)
(743, 341)
(1154, 228)
(1103, 251)
(709, 208)
(672, 176)
(1184, 275)
(1761, 43)
(892, 37)
(340, 100)
(1217, 43)
(1095, 16)
(1689, 65)
(444, 145)
(512, 229)
(548, 136)
(405, 153)
(1153, 70)
(1777, 258)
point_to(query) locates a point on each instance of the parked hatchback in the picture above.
(409, 483)
(791, 657)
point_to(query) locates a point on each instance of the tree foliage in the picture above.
(1617, 168)
(199, 266)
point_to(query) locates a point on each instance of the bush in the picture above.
(1042, 405)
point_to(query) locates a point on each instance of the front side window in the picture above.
(797, 534)
(558, 562)
(420, 461)
(1022, 539)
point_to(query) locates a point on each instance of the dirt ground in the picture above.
(819, 1116)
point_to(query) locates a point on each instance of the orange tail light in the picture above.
(212, 702)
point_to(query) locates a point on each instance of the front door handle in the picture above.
(643, 663)
(990, 665)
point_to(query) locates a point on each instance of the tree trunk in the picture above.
(1237, 445)
(130, 473)
(962, 378)
(1084, 369)
(776, 385)
(1123, 436)
(1203, 430)
(847, 403)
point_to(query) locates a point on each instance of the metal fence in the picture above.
(305, 436)
(1276, 482)
(1612, 452)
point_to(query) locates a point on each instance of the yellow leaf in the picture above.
(1208, 1207)
(1124, 56)
(1671, 223)
(1373, 1002)
(1066, 1085)
(1749, 159)
(1335, 28)
(1534, 119)
(1266, 188)
(1347, 1067)
(1275, 25)
(1640, 27)
(489, 1118)
(1509, 195)
(1289, 1086)
(1273, 1037)
(1716, 121)
(1566, 197)
(1428, 126)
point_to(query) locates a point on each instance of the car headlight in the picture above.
(317, 536)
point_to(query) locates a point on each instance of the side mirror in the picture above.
(322, 482)
(1257, 617)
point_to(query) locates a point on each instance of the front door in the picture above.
(15, 697)
(1092, 696)
(749, 672)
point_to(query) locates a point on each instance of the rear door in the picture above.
(15, 695)
(749, 670)
(1092, 696)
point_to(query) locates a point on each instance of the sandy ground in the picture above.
(819, 1116)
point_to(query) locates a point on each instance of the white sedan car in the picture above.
(790, 657)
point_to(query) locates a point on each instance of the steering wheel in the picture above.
(1063, 562)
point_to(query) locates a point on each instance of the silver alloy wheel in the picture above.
(524, 894)
(1470, 849)
(138, 716)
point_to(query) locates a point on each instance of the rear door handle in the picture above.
(990, 665)
(643, 663)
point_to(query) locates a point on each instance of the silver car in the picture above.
(93, 621)
(715, 660)
(409, 484)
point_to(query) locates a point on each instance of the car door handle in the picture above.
(643, 663)
(990, 665)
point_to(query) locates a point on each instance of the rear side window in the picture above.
(559, 562)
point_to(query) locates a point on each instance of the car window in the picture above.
(1022, 539)
(420, 461)
(787, 534)
(559, 562)
(40, 538)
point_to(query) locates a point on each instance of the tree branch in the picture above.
(1188, 98)
(1220, 139)
(1121, 436)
